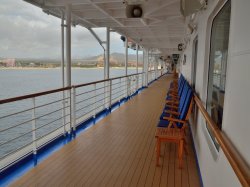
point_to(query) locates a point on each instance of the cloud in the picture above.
(27, 32)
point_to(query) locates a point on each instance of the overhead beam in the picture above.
(149, 10)
(105, 12)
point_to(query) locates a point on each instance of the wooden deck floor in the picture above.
(118, 151)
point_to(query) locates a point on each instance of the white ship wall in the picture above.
(215, 168)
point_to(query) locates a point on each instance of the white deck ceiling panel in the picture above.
(161, 25)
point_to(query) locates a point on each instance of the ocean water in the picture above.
(20, 82)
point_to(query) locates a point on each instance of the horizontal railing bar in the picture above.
(119, 91)
(91, 90)
(52, 131)
(31, 131)
(88, 98)
(105, 80)
(17, 137)
(33, 95)
(117, 96)
(3, 101)
(92, 110)
(92, 103)
(2, 117)
(39, 106)
(46, 124)
(116, 89)
(2, 130)
(117, 83)
(235, 159)
(16, 150)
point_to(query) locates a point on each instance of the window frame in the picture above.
(215, 14)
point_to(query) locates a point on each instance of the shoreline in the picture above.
(41, 68)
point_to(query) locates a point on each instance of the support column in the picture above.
(126, 66)
(156, 66)
(146, 60)
(62, 71)
(147, 65)
(137, 58)
(107, 51)
(126, 56)
(62, 50)
(68, 45)
(108, 94)
(143, 67)
(137, 76)
(68, 67)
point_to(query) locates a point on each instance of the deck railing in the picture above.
(29, 122)
(235, 159)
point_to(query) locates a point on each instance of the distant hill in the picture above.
(116, 60)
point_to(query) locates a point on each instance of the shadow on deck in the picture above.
(119, 151)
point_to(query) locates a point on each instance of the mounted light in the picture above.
(134, 11)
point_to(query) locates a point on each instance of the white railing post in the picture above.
(73, 109)
(137, 83)
(120, 90)
(94, 100)
(63, 114)
(34, 126)
(110, 94)
(127, 85)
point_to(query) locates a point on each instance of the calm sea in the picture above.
(26, 81)
(20, 82)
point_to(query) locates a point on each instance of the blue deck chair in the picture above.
(172, 128)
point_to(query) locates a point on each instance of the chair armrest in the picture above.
(172, 106)
(174, 120)
(172, 112)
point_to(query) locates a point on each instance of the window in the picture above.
(194, 64)
(218, 65)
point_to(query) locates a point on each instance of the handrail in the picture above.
(3, 101)
(235, 159)
(105, 80)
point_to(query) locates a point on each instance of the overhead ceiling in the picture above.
(161, 26)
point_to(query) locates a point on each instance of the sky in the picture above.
(27, 32)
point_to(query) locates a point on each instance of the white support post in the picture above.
(68, 59)
(73, 115)
(137, 61)
(126, 56)
(143, 68)
(95, 101)
(34, 126)
(110, 94)
(120, 90)
(62, 71)
(106, 67)
(68, 45)
(156, 67)
(146, 66)
(126, 65)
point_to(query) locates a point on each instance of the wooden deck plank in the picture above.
(165, 163)
(171, 166)
(118, 151)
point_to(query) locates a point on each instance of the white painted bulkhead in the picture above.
(215, 168)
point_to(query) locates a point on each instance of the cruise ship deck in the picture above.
(119, 151)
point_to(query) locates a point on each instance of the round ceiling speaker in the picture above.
(137, 12)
